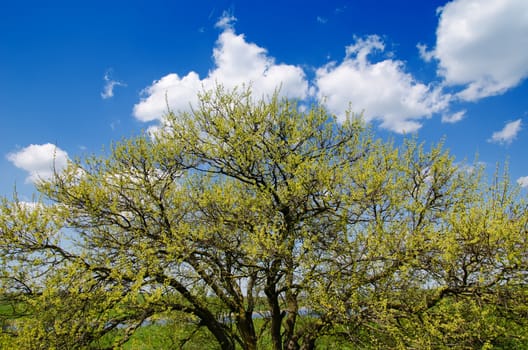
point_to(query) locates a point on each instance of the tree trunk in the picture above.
(220, 333)
(247, 330)
(276, 315)
(308, 343)
(291, 340)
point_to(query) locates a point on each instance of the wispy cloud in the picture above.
(508, 133)
(322, 20)
(226, 21)
(453, 118)
(115, 124)
(426, 54)
(339, 10)
(110, 84)
(40, 161)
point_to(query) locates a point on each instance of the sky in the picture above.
(76, 76)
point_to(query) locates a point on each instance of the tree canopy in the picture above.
(269, 225)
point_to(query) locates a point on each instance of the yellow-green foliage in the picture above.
(253, 223)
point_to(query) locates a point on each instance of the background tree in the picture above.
(269, 227)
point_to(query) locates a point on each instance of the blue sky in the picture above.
(77, 75)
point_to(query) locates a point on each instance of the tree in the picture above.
(265, 223)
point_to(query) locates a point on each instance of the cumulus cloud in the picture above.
(453, 118)
(236, 62)
(382, 90)
(523, 181)
(481, 45)
(40, 161)
(508, 133)
(171, 91)
(110, 84)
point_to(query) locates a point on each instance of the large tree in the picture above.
(272, 225)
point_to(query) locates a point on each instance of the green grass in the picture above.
(171, 335)
(185, 336)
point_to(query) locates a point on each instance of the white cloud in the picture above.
(227, 21)
(153, 130)
(508, 133)
(481, 45)
(425, 54)
(453, 118)
(108, 90)
(237, 62)
(523, 181)
(40, 161)
(170, 91)
(383, 90)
